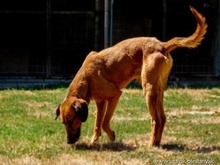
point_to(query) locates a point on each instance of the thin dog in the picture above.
(103, 74)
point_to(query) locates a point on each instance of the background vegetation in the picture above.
(30, 135)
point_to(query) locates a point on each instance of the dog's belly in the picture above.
(122, 78)
(105, 86)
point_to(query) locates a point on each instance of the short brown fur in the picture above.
(103, 75)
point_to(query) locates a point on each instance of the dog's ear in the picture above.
(82, 111)
(57, 112)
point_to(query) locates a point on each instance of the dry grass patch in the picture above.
(196, 94)
(34, 108)
(207, 120)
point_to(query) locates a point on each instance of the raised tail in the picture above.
(192, 41)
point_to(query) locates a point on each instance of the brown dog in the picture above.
(103, 75)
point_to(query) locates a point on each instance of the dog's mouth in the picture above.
(72, 139)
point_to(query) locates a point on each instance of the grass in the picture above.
(30, 135)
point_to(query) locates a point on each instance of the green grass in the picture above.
(30, 135)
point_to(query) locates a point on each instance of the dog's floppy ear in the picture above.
(82, 111)
(57, 112)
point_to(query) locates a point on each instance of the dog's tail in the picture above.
(191, 41)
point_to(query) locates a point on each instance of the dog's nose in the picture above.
(71, 140)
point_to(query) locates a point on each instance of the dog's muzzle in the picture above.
(71, 139)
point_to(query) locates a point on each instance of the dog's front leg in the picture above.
(100, 111)
(112, 103)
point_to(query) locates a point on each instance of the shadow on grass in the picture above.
(110, 146)
(181, 148)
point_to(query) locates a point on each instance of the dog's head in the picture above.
(73, 112)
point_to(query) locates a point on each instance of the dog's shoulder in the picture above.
(92, 53)
(93, 61)
(90, 56)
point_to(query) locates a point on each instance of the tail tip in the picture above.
(191, 8)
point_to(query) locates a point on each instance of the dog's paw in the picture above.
(153, 144)
(112, 136)
(94, 139)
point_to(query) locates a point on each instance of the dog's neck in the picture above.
(79, 89)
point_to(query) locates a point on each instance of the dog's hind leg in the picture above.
(155, 71)
(154, 97)
(101, 109)
(112, 103)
